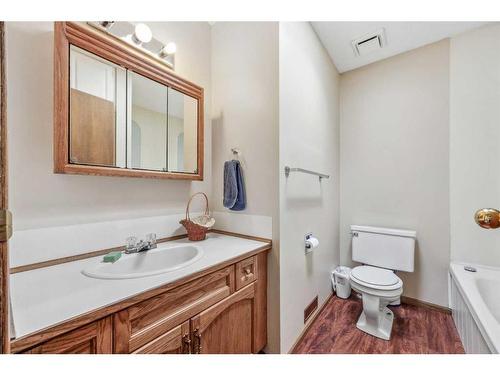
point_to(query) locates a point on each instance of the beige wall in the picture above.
(245, 115)
(474, 139)
(40, 198)
(309, 138)
(190, 127)
(394, 141)
(244, 107)
(175, 128)
(153, 127)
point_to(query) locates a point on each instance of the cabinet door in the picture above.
(227, 326)
(144, 322)
(94, 338)
(175, 341)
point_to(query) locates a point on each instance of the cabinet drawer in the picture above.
(94, 338)
(142, 323)
(175, 341)
(246, 272)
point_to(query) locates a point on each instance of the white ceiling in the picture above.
(400, 37)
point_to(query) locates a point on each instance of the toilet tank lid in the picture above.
(386, 231)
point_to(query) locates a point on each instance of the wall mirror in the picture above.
(119, 112)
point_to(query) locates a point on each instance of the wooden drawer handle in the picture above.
(197, 343)
(247, 273)
(186, 341)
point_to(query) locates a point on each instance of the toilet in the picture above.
(381, 251)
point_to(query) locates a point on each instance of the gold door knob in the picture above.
(488, 218)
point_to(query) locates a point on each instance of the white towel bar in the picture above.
(320, 175)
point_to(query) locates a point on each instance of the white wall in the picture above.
(39, 198)
(244, 107)
(309, 138)
(153, 139)
(394, 159)
(474, 139)
(245, 116)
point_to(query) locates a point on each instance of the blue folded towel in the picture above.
(230, 184)
(234, 187)
(241, 200)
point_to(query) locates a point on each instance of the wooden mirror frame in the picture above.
(119, 52)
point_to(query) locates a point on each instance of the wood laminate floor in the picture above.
(416, 330)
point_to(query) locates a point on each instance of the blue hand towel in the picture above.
(241, 200)
(230, 184)
(234, 187)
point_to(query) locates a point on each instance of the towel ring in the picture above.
(237, 155)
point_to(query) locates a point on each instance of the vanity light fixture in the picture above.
(168, 50)
(142, 34)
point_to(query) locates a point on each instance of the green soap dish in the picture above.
(112, 257)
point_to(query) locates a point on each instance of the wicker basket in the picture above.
(195, 231)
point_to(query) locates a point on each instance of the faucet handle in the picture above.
(131, 243)
(151, 239)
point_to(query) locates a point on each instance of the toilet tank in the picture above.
(393, 249)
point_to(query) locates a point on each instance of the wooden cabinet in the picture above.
(222, 311)
(94, 338)
(226, 327)
(175, 341)
(145, 321)
(206, 315)
(92, 73)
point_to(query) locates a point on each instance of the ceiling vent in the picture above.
(369, 43)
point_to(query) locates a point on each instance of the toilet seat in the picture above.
(376, 278)
(378, 288)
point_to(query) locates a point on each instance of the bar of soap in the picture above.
(112, 257)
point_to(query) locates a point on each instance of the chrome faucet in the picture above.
(134, 246)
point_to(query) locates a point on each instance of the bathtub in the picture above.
(475, 303)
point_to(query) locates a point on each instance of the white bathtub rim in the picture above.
(476, 305)
(472, 311)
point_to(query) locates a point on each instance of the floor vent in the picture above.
(310, 309)
(369, 43)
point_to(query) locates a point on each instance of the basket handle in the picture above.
(189, 202)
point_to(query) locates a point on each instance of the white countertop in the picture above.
(46, 296)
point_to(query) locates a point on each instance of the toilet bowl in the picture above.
(381, 251)
(378, 288)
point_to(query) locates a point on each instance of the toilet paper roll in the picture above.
(312, 243)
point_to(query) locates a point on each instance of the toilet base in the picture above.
(380, 327)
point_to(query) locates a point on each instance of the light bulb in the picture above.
(168, 50)
(142, 34)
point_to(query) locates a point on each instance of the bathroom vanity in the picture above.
(120, 110)
(215, 305)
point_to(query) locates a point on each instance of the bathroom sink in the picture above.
(148, 263)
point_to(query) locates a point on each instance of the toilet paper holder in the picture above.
(307, 244)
